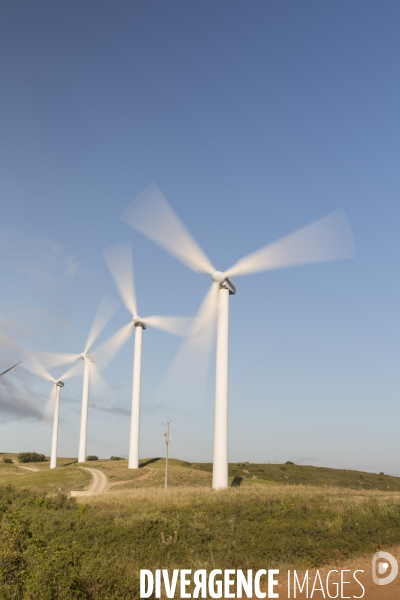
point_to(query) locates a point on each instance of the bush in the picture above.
(51, 549)
(25, 457)
(116, 458)
(289, 462)
(7, 460)
(92, 457)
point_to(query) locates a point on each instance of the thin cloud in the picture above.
(126, 412)
(42, 260)
(18, 402)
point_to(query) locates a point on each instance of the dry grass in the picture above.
(336, 498)
(263, 523)
(65, 477)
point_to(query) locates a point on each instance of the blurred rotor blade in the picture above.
(102, 392)
(328, 239)
(108, 349)
(185, 384)
(179, 326)
(120, 262)
(8, 342)
(75, 370)
(107, 309)
(54, 359)
(48, 413)
(6, 371)
(151, 214)
(32, 364)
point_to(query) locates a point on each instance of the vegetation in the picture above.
(7, 460)
(92, 457)
(25, 457)
(53, 547)
(41, 478)
(93, 547)
(289, 474)
(116, 458)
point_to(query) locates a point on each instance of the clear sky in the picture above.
(255, 119)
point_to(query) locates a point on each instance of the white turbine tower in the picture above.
(33, 365)
(107, 309)
(327, 239)
(119, 261)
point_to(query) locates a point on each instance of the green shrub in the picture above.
(289, 462)
(116, 458)
(7, 460)
(92, 457)
(25, 457)
(52, 548)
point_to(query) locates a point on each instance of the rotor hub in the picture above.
(86, 356)
(137, 321)
(218, 277)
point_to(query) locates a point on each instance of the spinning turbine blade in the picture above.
(6, 371)
(328, 239)
(108, 349)
(176, 325)
(107, 309)
(7, 342)
(102, 392)
(32, 364)
(185, 385)
(54, 359)
(119, 261)
(49, 408)
(75, 370)
(151, 214)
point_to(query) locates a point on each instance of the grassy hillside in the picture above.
(54, 547)
(281, 516)
(306, 475)
(68, 476)
(65, 478)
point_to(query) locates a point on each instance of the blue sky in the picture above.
(254, 119)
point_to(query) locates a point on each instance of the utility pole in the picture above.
(167, 440)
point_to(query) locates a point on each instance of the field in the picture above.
(273, 516)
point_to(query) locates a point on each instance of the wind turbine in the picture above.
(106, 310)
(119, 261)
(6, 371)
(327, 239)
(33, 365)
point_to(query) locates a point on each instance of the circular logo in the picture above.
(385, 560)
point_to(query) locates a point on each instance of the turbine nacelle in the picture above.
(86, 356)
(137, 321)
(224, 281)
(60, 384)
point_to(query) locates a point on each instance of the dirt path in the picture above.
(33, 469)
(149, 471)
(351, 589)
(99, 482)
(98, 485)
